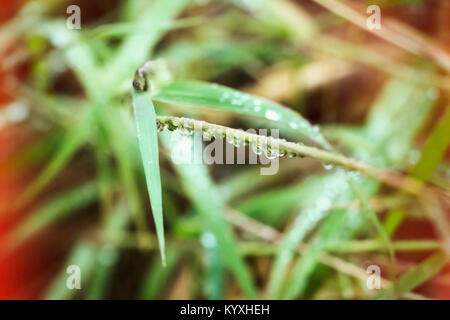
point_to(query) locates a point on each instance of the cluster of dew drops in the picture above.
(257, 147)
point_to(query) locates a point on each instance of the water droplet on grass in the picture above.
(328, 166)
(186, 132)
(272, 115)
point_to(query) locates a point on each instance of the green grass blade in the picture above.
(214, 273)
(201, 94)
(83, 256)
(126, 160)
(434, 149)
(147, 133)
(392, 221)
(416, 276)
(57, 208)
(396, 117)
(108, 255)
(136, 48)
(70, 144)
(318, 195)
(157, 276)
(206, 199)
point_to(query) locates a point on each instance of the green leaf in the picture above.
(147, 133)
(202, 94)
(415, 277)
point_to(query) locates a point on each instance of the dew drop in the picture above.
(272, 115)
(186, 132)
(328, 166)
(17, 112)
(235, 141)
(293, 125)
(432, 93)
(207, 136)
(257, 148)
(323, 203)
(270, 154)
(218, 135)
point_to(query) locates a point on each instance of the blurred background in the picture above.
(72, 187)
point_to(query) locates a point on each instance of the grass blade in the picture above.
(206, 199)
(434, 149)
(202, 94)
(71, 143)
(83, 256)
(416, 276)
(147, 132)
(57, 208)
(157, 276)
(137, 47)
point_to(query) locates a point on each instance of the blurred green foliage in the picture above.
(314, 212)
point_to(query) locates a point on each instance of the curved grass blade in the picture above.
(56, 209)
(202, 94)
(145, 118)
(72, 142)
(415, 276)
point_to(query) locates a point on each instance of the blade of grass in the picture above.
(54, 210)
(335, 228)
(145, 119)
(202, 94)
(126, 159)
(73, 140)
(157, 276)
(83, 256)
(353, 246)
(393, 220)
(136, 48)
(205, 197)
(320, 194)
(390, 122)
(434, 149)
(393, 31)
(388, 176)
(108, 255)
(415, 277)
(214, 273)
